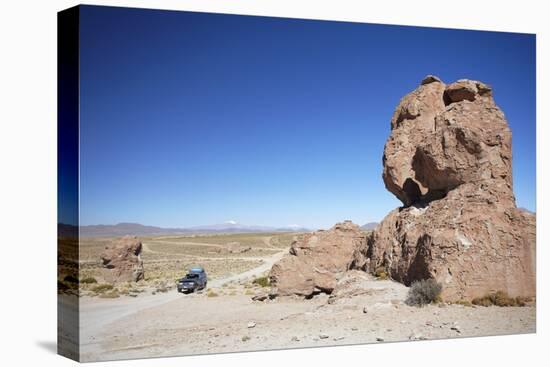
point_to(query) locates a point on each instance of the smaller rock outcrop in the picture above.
(316, 260)
(121, 260)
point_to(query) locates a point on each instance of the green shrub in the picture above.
(261, 281)
(423, 292)
(100, 288)
(88, 280)
(501, 299)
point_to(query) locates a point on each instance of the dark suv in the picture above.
(194, 280)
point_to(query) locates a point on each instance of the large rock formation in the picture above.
(316, 260)
(449, 160)
(122, 261)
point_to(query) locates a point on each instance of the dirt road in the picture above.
(97, 313)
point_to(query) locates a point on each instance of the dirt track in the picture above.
(96, 314)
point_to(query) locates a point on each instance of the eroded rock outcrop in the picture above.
(449, 160)
(121, 260)
(413, 117)
(316, 260)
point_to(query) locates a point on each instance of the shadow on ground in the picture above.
(48, 345)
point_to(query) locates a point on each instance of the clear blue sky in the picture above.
(190, 118)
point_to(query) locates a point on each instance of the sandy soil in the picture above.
(177, 324)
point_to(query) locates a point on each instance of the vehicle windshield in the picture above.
(192, 276)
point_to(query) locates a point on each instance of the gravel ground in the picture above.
(198, 324)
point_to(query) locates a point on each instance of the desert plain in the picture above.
(151, 319)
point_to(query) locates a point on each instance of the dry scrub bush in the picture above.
(463, 302)
(101, 288)
(380, 273)
(423, 292)
(111, 294)
(89, 280)
(500, 298)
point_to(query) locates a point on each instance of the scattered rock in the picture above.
(338, 338)
(379, 339)
(323, 336)
(365, 310)
(251, 324)
(260, 297)
(417, 336)
(121, 261)
(295, 339)
(456, 327)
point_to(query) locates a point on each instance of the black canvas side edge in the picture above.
(68, 340)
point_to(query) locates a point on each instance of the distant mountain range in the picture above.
(136, 229)
(369, 226)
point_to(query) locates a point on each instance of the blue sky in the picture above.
(192, 118)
